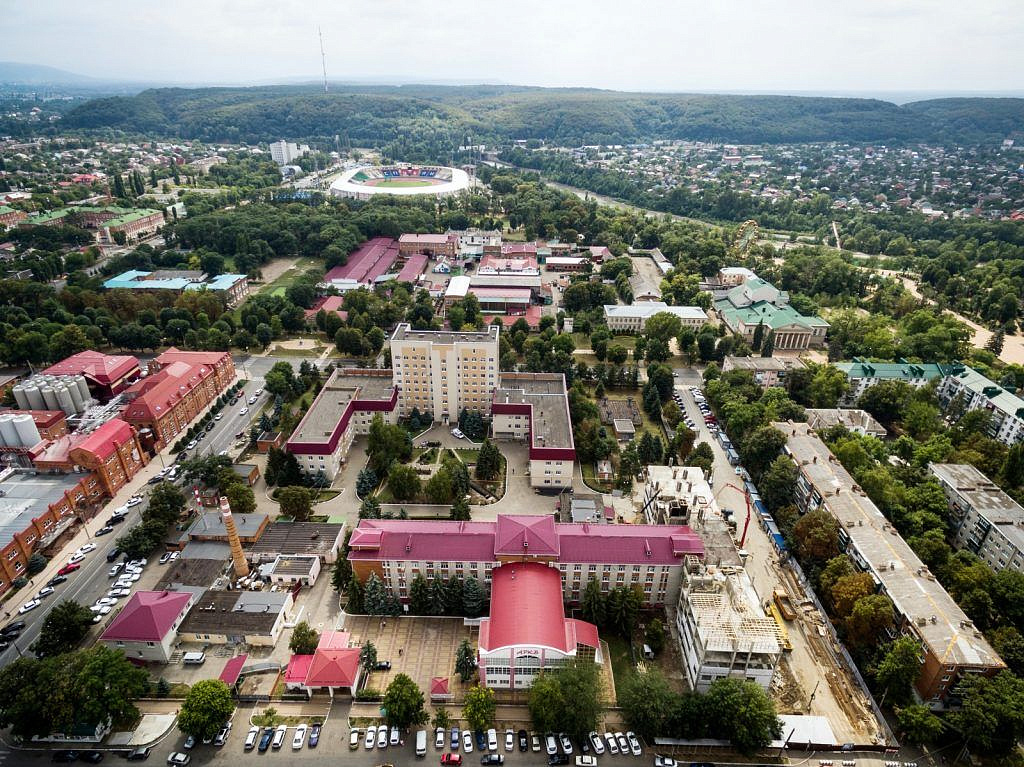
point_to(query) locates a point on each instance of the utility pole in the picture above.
(323, 56)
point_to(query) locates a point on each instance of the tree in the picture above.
(36, 563)
(918, 724)
(438, 488)
(623, 608)
(465, 661)
(375, 596)
(817, 536)
(206, 708)
(419, 596)
(755, 344)
(654, 635)
(488, 464)
(296, 502)
(479, 707)
(778, 483)
(241, 498)
(441, 720)
(64, 627)
(848, 589)
(356, 595)
(368, 657)
(403, 482)
(369, 509)
(898, 669)
(438, 605)
(592, 606)
(474, 598)
(744, 711)
(366, 481)
(995, 343)
(871, 615)
(761, 448)
(546, 704)
(992, 715)
(403, 702)
(304, 639)
(768, 347)
(460, 510)
(647, 701)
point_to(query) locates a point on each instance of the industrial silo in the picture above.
(35, 398)
(76, 396)
(21, 398)
(28, 434)
(64, 401)
(50, 398)
(83, 388)
(8, 433)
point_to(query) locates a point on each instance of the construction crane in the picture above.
(746, 497)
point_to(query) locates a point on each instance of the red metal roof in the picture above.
(155, 395)
(105, 441)
(102, 368)
(334, 668)
(298, 669)
(522, 535)
(439, 685)
(526, 608)
(233, 669)
(43, 419)
(148, 616)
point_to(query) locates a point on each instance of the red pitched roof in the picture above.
(298, 669)
(233, 669)
(103, 368)
(158, 393)
(148, 616)
(105, 440)
(533, 535)
(334, 668)
(439, 685)
(191, 358)
(526, 609)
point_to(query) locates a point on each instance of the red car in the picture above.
(455, 759)
(69, 569)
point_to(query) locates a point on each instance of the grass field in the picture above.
(403, 182)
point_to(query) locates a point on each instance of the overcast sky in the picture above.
(739, 45)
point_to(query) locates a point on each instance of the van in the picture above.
(193, 658)
(421, 743)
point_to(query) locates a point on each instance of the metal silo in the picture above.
(35, 398)
(76, 396)
(83, 388)
(21, 398)
(8, 433)
(64, 400)
(50, 398)
(28, 434)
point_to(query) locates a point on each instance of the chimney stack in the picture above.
(237, 557)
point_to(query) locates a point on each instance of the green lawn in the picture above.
(468, 455)
(590, 477)
(622, 664)
(282, 283)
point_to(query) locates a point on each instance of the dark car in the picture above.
(56, 580)
(12, 629)
(524, 740)
(314, 735)
(558, 759)
(92, 757)
(139, 754)
(64, 756)
(265, 738)
(103, 531)
(113, 554)
(490, 759)
(154, 480)
(481, 740)
(116, 519)
(209, 426)
(382, 665)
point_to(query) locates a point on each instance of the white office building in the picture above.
(633, 318)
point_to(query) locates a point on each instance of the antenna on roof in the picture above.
(323, 56)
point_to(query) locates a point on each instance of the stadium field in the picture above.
(400, 182)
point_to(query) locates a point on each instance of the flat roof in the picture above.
(728, 616)
(294, 564)
(1001, 398)
(647, 309)
(851, 418)
(985, 497)
(343, 387)
(928, 609)
(27, 497)
(230, 612)
(293, 538)
(404, 332)
(549, 425)
(761, 363)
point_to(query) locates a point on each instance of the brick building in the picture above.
(113, 453)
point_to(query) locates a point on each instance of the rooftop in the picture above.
(315, 538)
(211, 524)
(328, 415)
(103, 368)
(29, 496)
(293, 564)
(105, 440)
(526, 609)
(762, 364)
(647, 309)
(928, 609)
(902, 370)
(147, 616)
(728, 614)
(771, 315)
(545, 393)
(993, 392)
(985, 497)
(230, 612)
(404, 332)
(853, 419)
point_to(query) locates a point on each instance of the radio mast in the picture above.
(323, 56)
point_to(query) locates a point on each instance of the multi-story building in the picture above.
(431, 244)
(735, 275)
(285, 152)
(179, 387)
(11, 216)
(861, 375)
(675, 494)
(985, 520)
(952, 646)
(723, 631)
(113, 453)
(651, 557)
(105, 374)
(633, 318)
(344, 408)
(134, 225)
(767, 371)
(757, 302)
(443, 372)
(534, 407)
(964, 388)
(475, 243)
(233, 287)
(527, 632)
(857, 421)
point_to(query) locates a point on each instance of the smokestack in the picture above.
(237, 557)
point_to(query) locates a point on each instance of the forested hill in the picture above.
(376, 114)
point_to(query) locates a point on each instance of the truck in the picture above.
(785, 604)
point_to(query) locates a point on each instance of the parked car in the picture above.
(104, 531)
(176, 759)
(371, 737)
(586, 761)
(382, 737)
(524, 741)
(665, 761)
(222, 737)
(467, 741)
(44, 592)
(492, 759)
(91, 757)
(510, 740)
(218, 416)
(620, 738)
(550, 744)
(314, 736)
(382, 665)
(451, 759)
(265, 738)
(279, 734)
(142, 753)
(634, 744)
(492, 740)
(64, 756)
(30, 605)
(190, 742)
(353, 739)
(56, 579)
(396, 737)
(165, 558)
(457, 433)
(563, 739)
(557, 759)
(191, 445)
(613, 745)
(455, 738)
(251, 737)
(113, 554)
(439, 738)
(299, 739)
(12, 629)
(69, 568)
(535, 743)
(596, 743)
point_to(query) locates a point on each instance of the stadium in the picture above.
(406, 180)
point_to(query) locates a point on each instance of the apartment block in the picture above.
(441, 372)
(986, 520)
(964, 389)
(861, 375)
(767, 371)
(952, 646)
(633, 318)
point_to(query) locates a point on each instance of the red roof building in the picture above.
(329, 304)
(650, 557)
(106, 374)
(527, 631)
(147, 626)
(333, 667)
(112, 452)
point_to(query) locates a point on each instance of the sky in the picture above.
(864, 46)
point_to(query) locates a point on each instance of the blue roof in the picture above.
(134, 279)
(220, 282)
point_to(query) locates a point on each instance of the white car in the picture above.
(177, 759)
(101, 609)
(586, 761)
(218, 416)
(106, 601)
(86, 548)
(134, 501)
(258, 392)
(439, 738)
(371, 737)
(467, 741)
(510, 740)
(279, 734)
(191, 445)
(492, 740)
(634, 743)
(396, 737)
(623, 742)
(120, 511)
(243, 411)
(665, 761)
(550, 744)
(596, 743)
(175, 555)
(382, 737)
(300, 737)
(164, 558)
(251, 738)
(457, 433)
(44, 592)
(566, 743)
(613, 746)
(31, 604)
(76, 558)
(353, 738)
(222, 736)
